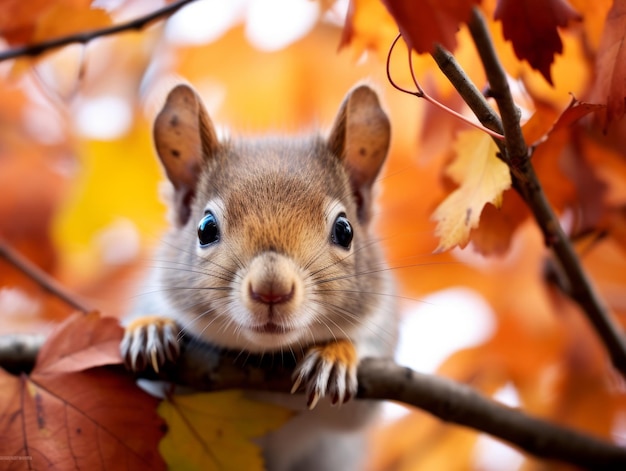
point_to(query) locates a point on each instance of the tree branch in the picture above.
(526, 182)
(40, 277)
(32, 50)
(381, 379)
(468, 91)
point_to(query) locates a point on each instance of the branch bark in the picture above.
(45, 281)
(379, 379)
(516, 154)
(33, 50)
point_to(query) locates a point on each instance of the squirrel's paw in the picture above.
(328, 370)
(150, 340)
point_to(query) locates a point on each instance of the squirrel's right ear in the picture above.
(184, 136)
(360, 139)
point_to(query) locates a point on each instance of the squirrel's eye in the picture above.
(208, 232)
(342, 231)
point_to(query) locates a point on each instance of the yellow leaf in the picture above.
(482, 177)
(118, 182)
(213, 431)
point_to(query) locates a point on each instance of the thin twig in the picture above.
(421, 93)
(526, 181)
(469, 92)
(40, 277)
(210, 370)
(32, 50)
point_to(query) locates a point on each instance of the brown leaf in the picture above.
(531, 25)
(68, 414)
(610, 85)
(83, 341)
(88, 420)
(424, 23)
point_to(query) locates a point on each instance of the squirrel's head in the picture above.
(270, 246)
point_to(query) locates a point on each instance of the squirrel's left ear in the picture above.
(360, 137)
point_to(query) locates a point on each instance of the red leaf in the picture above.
(610, 86)
(427, 22)
(574, 112)
(83, 341)
(531, 25)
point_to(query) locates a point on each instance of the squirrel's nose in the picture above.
(271, 293)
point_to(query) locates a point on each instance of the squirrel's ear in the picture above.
(184, 136)
(360, 137)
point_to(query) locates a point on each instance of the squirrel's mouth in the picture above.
(271, 328)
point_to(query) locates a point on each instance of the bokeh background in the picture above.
(79, 186)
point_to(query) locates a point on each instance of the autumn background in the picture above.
(79, 180)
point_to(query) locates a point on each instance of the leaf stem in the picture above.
(33, 50)
(421, 93)
(40, 277)
(527, 183)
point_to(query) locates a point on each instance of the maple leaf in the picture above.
(531, 25)
(610, 85)
(422, 23)
(69, 414)
(213, 431)
(550, 134)
(482, 177)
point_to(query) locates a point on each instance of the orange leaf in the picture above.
(368, 26)
(427, 22)
(83, 341)
(60, 20)
(498, 225)
(19, 18)
(531, 25)
(610, 86)
(37, 20)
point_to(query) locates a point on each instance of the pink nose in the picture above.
(270, 295)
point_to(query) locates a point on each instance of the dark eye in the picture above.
(208, 232)
(342, 232)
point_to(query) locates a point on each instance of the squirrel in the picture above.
(271, 250)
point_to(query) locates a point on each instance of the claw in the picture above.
(328, 370)
(296, 384)
(313, 400)
(150, 340)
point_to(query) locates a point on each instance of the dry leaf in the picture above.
(61, 418)
(82, 341)
(482, 177)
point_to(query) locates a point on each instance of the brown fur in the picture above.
(276, 280)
